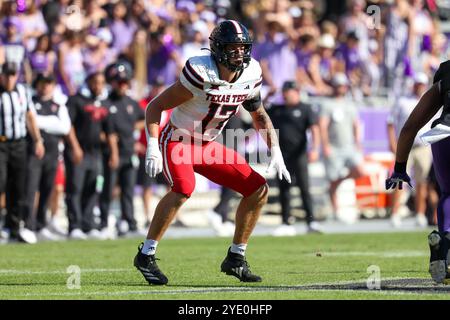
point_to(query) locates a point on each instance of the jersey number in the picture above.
(218, 111)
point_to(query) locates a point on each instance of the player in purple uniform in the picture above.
(439, 136)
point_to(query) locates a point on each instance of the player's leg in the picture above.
(439, 240)
(247, 215)
(165, 212)
(229, 169)
(145, 260)
(179, 172)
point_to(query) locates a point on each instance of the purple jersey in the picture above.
(280, 58)
(38, 61)
(161, 66)
(350, 56)
(303, 59)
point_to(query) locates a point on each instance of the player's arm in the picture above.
(427, 107)
(263, 124)
(173, 96)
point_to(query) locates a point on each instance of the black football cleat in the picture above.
(146, 264)
(236, 265)
(439, 245)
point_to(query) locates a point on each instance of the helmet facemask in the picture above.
(225, 55)
(232, 54)
(225, 35)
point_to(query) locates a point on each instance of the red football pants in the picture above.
(212, 160)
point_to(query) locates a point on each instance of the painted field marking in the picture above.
(326, 286)
(12, 271)
(384, 254)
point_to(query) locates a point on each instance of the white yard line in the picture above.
(12, 271)
(384, 254)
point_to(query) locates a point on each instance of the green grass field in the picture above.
(302, 267)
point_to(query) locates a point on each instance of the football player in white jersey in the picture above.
(210, 90)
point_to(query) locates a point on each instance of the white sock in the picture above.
(149, 247)
(239, 248)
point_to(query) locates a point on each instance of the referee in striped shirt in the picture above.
(16, 115)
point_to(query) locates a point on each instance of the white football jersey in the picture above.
(215, 101)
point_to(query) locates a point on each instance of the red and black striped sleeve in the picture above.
(258, 83)
(190, 77)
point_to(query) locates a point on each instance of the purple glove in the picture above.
(397, 178)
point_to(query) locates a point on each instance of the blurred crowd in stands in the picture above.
(373, 48)
(377, 44)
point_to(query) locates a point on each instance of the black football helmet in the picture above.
(230, 32)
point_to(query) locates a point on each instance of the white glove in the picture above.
(277, 162)
(153, 158)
